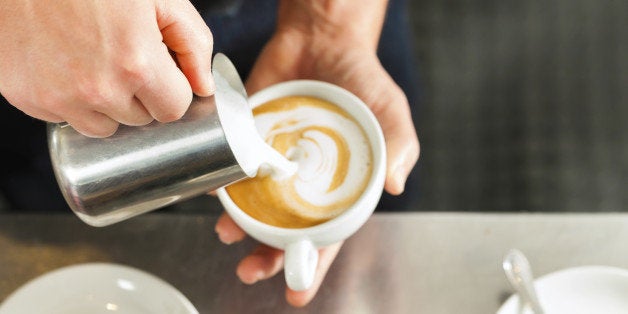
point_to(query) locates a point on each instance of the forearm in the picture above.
(350, 22)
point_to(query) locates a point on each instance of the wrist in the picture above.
(332, 24)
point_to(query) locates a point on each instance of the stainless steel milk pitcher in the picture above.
(139, 169)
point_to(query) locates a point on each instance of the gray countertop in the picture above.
(417, 262)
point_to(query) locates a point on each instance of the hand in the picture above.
(265, 262)
(96, 64)
(355, 67)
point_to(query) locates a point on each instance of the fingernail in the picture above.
(400, 178)
(211, 85)
(223, 236)
(225, 239)
(259, 275)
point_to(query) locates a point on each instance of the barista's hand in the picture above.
(351, 62)
(96, 64)
(333, 43)
(265, 262)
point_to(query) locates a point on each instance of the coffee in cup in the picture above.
(330, 226)
(334, 161)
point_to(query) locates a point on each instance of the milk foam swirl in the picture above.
(333, 156)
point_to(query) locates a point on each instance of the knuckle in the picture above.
(95, 92)
(136, 68)
(175, 111)
(50, 101)
(138, 120)
(206, 40)
(97, 130)
(44, 99)
(143, 120)
(18, 100)
(170, 115)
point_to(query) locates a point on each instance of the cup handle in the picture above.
(301, 258)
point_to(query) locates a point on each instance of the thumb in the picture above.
(402, 144)
(189, 38)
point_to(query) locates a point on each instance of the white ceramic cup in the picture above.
(300, 245)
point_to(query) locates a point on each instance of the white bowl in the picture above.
(579, 290)
(97, 288)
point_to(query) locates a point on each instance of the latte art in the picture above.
(334, 163)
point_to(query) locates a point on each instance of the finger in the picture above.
(93, 124)
(131, 112)
(228, 231)
(263, 263)
(402, 144)
(40, 114)
(166, 93)
(187, 35)
(326, 257)
(390, 105)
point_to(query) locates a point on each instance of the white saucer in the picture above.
(97, 288)
(579, 290)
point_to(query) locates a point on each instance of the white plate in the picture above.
(97, 288)
(579, 290)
